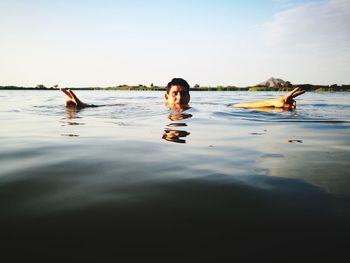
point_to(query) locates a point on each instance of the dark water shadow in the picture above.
(201, 220)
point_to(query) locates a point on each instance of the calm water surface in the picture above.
(134, 180)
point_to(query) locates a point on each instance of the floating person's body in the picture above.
(74, 101)
(177, 97)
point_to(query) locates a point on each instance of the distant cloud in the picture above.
(314, 26)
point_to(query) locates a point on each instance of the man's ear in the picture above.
(166, 96)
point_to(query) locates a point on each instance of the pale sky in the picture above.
(80, 43)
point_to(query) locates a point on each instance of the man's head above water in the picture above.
(177, 92)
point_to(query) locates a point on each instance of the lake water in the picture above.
(133, 180)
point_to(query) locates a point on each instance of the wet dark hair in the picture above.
(177, 82)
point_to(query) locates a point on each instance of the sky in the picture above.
(89, 43)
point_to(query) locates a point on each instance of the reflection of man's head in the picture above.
(175, 135)
(179, 116)
(177, 93)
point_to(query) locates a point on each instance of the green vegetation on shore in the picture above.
(307, 87)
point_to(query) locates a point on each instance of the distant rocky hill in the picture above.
(272, 82)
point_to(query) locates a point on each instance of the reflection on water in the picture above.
(294, 140)
(101, 183)
(72, 113)
(70, 135)
(75, 123)
(175, 135)
(176, 116)
(176, 124)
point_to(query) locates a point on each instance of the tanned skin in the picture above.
(286, 102)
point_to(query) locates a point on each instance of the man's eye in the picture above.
(174, 94)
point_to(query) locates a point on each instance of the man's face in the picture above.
(178, 95)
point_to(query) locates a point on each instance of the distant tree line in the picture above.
(287, 86)
(37, 87)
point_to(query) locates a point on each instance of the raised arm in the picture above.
(286, 102)
(74, 101)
